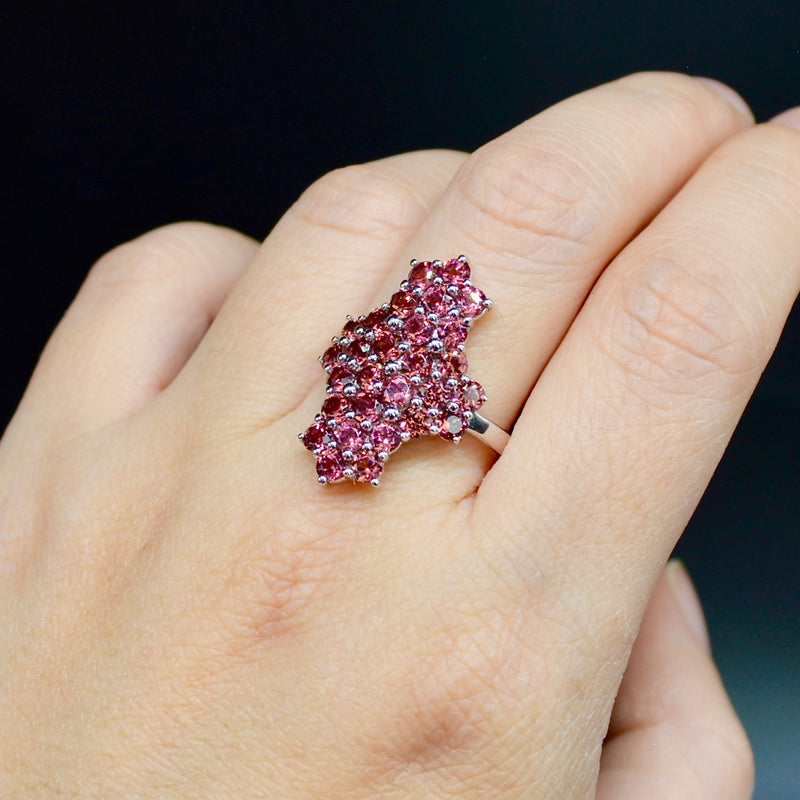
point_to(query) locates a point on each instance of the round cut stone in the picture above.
(334, 405)
(474, 396)
(421, 273)
(331, 355)
(437, 301)
(385, 438)
(367, 469)
(404, 303)
(315, 436)
(418, 330)
(365, 406)
(329, 467)
(339, 378)
(452, 332)
(471, 299)
(349, 437)
(398, 391)
(384, 344)
(451, 427)
(455, 271)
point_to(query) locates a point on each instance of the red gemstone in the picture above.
(421, 273)
(458, 362)
(375, 318)
(331, 355)
(334, 405)
(339, 378)
(418, 330)
(404, 303)
(471, 300)
(398, 391)
(384, 344)
(328, 467)
(385, 438)
(455, 271)
(315, 436)
(349, 437)
(349, 329)
(416, 363)
(365, 406)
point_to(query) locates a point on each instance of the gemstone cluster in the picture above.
(399, 373)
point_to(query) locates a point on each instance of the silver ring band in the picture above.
(489, 433)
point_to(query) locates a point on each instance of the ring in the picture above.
(400, 373)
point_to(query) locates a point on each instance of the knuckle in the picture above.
(545, 201)
(162, 256)
(361, 199)
(732, 755)
(681, 330)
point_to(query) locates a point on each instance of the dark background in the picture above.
(119, 118)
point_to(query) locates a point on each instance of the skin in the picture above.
(186, 613)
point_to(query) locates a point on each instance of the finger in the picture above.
(324, 260)
(541, 210)
(137, 318)
(631, 416)
(673, 732)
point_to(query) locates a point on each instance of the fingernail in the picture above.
(790, 118)
(684, 593)
(725, 91)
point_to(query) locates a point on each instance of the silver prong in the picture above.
(367, 426)
(383, 455)
(391, 413)
(437, 263)
(322, 479)
(347, 455)
(405, 436)
(348, 473)
(414, 262)
(462, 258)
(376, 481)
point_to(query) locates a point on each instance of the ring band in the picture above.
(399, 373)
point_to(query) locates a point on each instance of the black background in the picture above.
(119, 118)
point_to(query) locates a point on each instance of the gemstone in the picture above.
(315, 436)
(334, 405)
(471, 300)
(418, 329)
(455, 271)
(385, 437)
(404, 303)
(349, 437)
(367, 468)
(329, 467)
(422, 272)
(398, 391)
(437, 301)
(398, 373)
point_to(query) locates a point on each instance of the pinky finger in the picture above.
(673, 732)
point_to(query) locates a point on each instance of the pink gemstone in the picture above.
(437, 301)
(334, 405)
(421, 273)
(331, 355)
(349, 437)
(367, 469)
(418, 330)
(416, 422)
(474, 396)
(398, 391)
(404, 303)
(455, 271)
(328, 467)
(315, 436)
(471, 300)
(452, 332)
(385, 438)
(451, 426)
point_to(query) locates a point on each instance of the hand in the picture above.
(186, 613)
